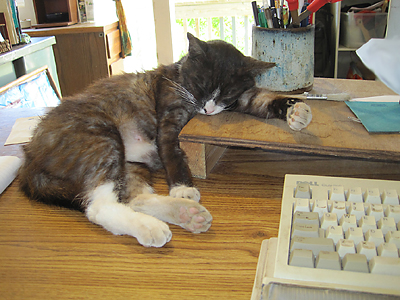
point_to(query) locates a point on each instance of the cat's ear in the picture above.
(256, 67)
(196, 46)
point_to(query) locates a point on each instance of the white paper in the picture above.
(381, 57)
(385, 98)
(9, 166)
(22, 130)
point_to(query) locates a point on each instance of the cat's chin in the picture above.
(213, 112)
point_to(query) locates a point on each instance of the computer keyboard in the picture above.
(335, 233)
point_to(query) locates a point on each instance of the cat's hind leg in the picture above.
(186, 213)
(104, 209)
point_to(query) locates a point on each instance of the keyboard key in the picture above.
(319, 193)
(301, 205)
(302, 217)
(328, 260)
(367, 223)
(302, 190)
(305, 230)
(355, 195)
(347, 221)
(310, 243)
(354, 234)
(375, 210)
(375, 236)
(355, 263)
(393, 237)
(387, 224)
(337, 193)
(394, 212)
(357, 209)
(320, 207)
(385, 265)
(387, 250)
(335, 233)
(328, 219)
(301, 258)
(339, 208)
(345, 246)
(390, 197)
(367, 248)
(372, 195)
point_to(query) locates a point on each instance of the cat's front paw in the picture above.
(183, 191)
(298, 116)
(152, 232)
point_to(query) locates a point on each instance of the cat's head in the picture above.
(216, 74)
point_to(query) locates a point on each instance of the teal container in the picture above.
(293, 52)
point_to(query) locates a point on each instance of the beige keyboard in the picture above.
(335, 233)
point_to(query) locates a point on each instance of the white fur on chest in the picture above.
(137, 147)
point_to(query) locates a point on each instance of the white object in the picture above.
(381, 57)
(9, 166)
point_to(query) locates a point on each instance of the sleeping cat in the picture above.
(95, 152)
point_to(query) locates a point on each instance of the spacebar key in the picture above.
(312, 243)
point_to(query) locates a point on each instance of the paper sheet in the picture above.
(9, 166)
(381, 56)
(22, 130)
(385, 98)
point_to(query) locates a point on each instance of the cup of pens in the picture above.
(289, 46)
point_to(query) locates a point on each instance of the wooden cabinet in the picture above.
(84, 53)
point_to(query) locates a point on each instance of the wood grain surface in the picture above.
(55, 253)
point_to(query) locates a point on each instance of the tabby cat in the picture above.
(95, 152)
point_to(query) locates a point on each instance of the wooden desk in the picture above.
(331, 132)
(52, 253)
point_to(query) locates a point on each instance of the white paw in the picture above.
(152, 232)
(299, 116)
(183, 191)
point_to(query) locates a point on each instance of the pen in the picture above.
(274, 14)
(255, 12)
(304, 22)
(262, 19)
(268, 16)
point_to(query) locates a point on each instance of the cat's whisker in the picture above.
(184, 93)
